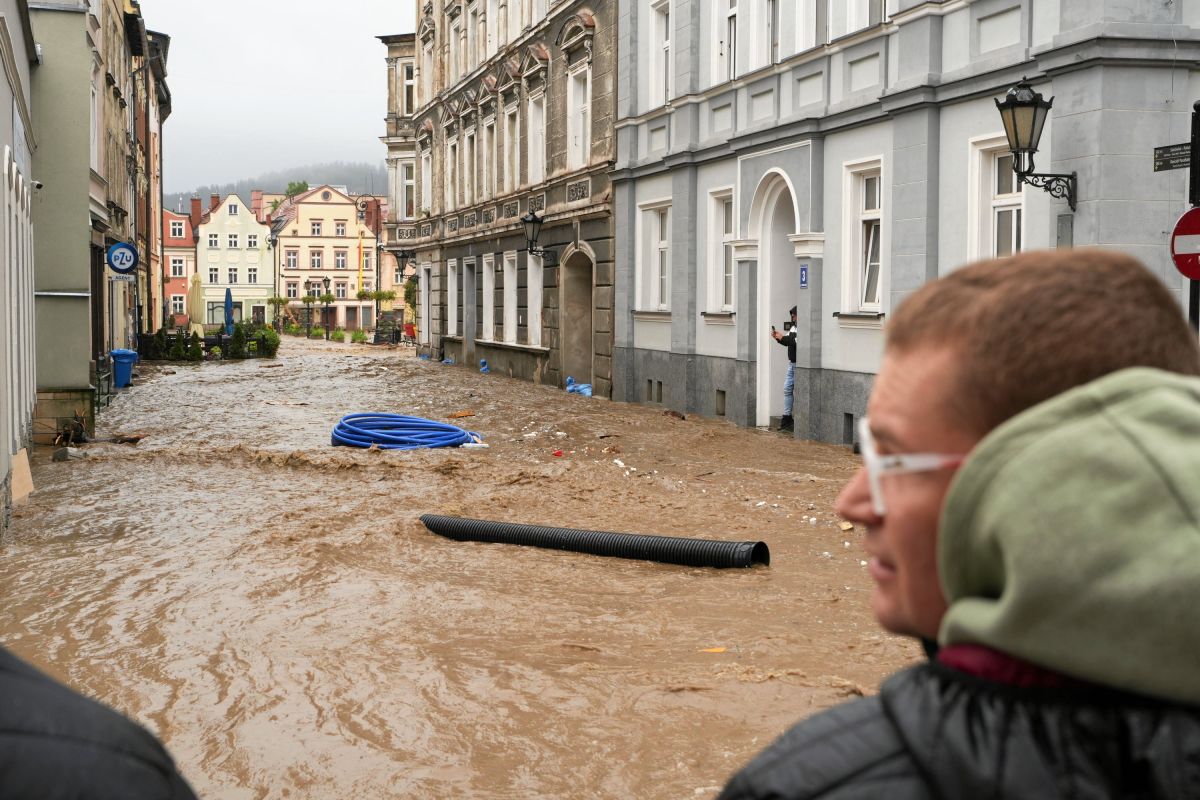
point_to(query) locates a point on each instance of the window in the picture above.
(233, 209)
(314, 258)
(408, 190)
(214, 240)
(366, 259)
(399, 275)
(510, 297)
(291, 259)
(177, 303)
(847, 16)
(487, 185)
(469, 167)
(176, 229)
(452, 298)
(489, 297)
(410, 89)
(426, 181)
(213, 276)
(427, 73)
(771, 35)
(721, 228)
(472, 38)
(339, 259)
(233, 241)
(252, 241)
(653, 286)
(579, 110)
(514, 19)
(537, 139)
(863, 259)
(451, 175)
(293, 290)
(314, 227)
(512, 139)
(339, 290)
(534, 299)
(727, 47)
(251, 274)
(1007, 206)
(177, 267)
(660, 57)
(339, 227)
(233, 275)
(453, 67)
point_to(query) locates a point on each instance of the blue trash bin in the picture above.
(123, 366)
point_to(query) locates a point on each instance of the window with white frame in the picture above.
(177, 303)
(339, 291)
(339, 259)
(454, 65)
(489, 297)
(233, 241)
(660, 56)
(214, 240)
(410, 88)
(579, 116)
(293, 290)
(863, 259)
(514, 19)
(536, 139)
(291, 259)
(512, 152)
(366, 259)
(177, 267)
(339, 227)
(252, 241)
(509, 289)
(314, 227)
(176, 229)
(470, 165)
(725, 28)
(408, 190)
(533, 301)
(487, 186)
(251, 274)
(427, 73)
(213, 275)
(233, 209)
(233, 275)
(1007, 205)
(771, 30)
(426, 181)
(653, 286)
(848, 16)
(451, 176)
(472, 38)
(722, 286)
(315, 257)
(452, 297)
(491, 18)
(481, 40)
(398, 275)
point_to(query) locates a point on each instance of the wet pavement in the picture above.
(272, 608)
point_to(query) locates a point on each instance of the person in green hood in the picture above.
(1030, 493)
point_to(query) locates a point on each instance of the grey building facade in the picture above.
(516, 104)
(837, 154)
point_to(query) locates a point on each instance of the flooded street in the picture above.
(272, 608)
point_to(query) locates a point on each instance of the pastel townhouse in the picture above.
(179, 264)
(232, 254)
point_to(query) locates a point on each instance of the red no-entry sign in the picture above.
(1185, 244)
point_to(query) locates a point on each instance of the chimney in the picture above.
(195, 215)
(213, 202)
(256, 204)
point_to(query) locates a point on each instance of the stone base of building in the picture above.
(827, 405)
(60, 410)
(5, 504)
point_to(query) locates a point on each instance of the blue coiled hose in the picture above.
(398, 432)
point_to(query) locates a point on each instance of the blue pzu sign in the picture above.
(804, 276)
(122, 258)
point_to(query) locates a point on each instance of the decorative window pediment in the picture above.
(467, 108)
(426, 30)
(487, 96)
(534, 66)
(454, 8)
(575, 36)
(449, 119)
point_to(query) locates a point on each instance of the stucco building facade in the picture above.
(178, 266)
(232, 254)
(515, 115)
(837, 154)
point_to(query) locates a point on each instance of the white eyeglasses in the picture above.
(895, 464)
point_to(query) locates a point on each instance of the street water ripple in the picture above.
(272, 608)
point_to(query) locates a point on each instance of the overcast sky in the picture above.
(261, 85)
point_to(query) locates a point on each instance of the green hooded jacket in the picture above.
(1071, 536)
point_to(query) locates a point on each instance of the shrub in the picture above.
(214, 353)
(318, 332)
(178, 349)
(268, 343)
(294, 329)
(195, 352)
(157, 348)
(359, 337)
(338, 335)
(237, 342)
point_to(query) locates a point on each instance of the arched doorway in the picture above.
(577, 279)
(773, 220)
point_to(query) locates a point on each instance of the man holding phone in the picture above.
(788, 339)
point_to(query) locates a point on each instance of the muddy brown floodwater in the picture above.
(272, 608)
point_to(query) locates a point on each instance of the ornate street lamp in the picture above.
(325, 299)
(308, 304)
(1024, 114)
(533, 231)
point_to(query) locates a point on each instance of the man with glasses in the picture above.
(1030, 494)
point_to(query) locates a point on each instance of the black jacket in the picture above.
(58, 745)
(789, 341)
(934, 732)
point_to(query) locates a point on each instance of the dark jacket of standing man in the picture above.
(1030, 500)
(59, 745)
(788, 340)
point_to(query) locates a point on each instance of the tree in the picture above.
(296, 187)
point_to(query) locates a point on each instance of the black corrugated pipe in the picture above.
(666, 549)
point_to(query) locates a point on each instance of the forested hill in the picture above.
(360, 178)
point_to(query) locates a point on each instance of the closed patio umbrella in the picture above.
(195, 306)
(228, 311)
